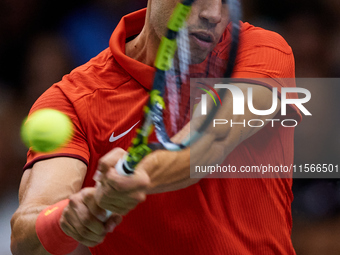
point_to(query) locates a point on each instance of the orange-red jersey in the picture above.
(105, 100)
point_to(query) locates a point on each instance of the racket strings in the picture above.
(173, 87)
(181, 96)
(177, 83)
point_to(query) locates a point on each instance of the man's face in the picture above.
(206, 24)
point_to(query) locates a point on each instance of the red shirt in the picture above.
(215, 216)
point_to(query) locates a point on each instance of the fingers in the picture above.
(113, 221)
(116, 192)
(109, 160)
(121, 194)
(139, 180)
(120, 203)
(90, 202)
(68, 226)
(81, 219)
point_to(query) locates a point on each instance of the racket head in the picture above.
(169, 105)
(182, 105)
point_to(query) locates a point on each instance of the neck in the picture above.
(144, 47)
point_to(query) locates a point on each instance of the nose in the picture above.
(211, 10)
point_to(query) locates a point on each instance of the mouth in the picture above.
(202, 36)
(203, 39)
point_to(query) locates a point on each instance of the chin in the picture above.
(198, 57)
(196, 60)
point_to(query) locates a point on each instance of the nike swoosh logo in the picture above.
(115, 138)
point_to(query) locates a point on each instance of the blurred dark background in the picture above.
(40, 41)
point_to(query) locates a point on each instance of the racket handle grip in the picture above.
(121, 168)
(108, 214)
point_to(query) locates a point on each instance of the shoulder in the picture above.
(263, 53)
(254, 37)
(101, 72)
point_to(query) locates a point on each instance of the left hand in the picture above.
(83, 220)
(117, 193)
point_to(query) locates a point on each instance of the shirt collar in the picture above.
(131, 25)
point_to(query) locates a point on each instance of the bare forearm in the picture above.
(24, 239)
(172, 169)
(48, 182)
(174, 172)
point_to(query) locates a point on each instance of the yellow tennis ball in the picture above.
(46, 130)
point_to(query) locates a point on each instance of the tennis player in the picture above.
(166, 212)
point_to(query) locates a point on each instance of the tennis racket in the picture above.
(168, 109)
(169, 105)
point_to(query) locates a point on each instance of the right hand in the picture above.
(115, 192)
(85, 221)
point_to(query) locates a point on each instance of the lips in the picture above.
(203, 39)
